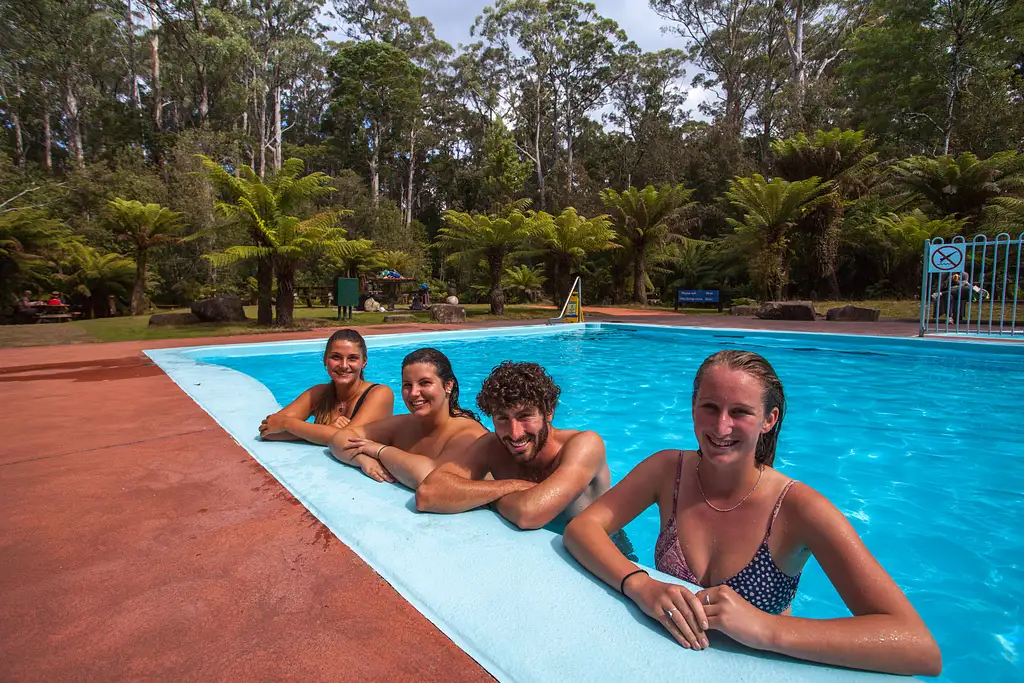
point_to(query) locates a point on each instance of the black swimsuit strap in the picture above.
(362, 398)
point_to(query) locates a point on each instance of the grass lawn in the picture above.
(136, 328)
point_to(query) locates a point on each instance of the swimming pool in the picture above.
(902, 435)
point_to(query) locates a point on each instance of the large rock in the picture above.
(743, 310)
(453, 300)
(446, 313)
(853, 314)
(786, 310)
(174, 319)
(219, 309)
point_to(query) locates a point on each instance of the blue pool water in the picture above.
(919, 447)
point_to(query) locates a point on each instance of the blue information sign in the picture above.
(697, 296)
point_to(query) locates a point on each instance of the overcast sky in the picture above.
(452, 19)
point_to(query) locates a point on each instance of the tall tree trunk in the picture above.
(285, 292)
(71, 112)
(277, 127)
(132, 78)
(139, 289)
(375, 165)
(261, 118)
(12, 110)
(952, 91)
(497, 292)
(795, 42)
(536, 154)
(639, 280)
(264, 290)
(47, 136)
(412, 173)
(154, 58)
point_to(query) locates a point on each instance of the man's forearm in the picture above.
(528, 510)
(449, 493)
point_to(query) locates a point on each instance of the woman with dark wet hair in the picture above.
(347, 400)
(407, 448)
(741, 532)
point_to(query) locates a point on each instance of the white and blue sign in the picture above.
(947, 258)
(697, 296)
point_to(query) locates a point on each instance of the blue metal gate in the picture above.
(972, 288)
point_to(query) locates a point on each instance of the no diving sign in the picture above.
(947, 258)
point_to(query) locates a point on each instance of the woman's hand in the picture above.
(340, 422)
(674, 607)
(273, 424)
(360, 446)
(735, 617)
(372, 468)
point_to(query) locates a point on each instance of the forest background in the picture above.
(163, 151)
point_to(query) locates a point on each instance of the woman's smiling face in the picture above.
(423, 391)
(728, 414)
(344, 362)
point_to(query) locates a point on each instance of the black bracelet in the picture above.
(622, 584)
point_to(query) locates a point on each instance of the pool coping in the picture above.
(555, 580)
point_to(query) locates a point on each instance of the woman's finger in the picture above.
(697, 605)
(674, 631)
(684, 612)
(679, 620)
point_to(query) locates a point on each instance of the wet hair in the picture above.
(513, 384)
(772, 394)
(323, 412)
(443, 368)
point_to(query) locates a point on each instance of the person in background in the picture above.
(742, 532)
(54, 299)
(347, 400)
(406, 448)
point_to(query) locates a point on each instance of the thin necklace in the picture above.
(714, 507)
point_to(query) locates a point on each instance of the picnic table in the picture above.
(53, 313)
(390, 286)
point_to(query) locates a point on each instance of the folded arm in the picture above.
(458, 484)
(583, 457)
(289, 423)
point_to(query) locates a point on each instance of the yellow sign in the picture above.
(573, 311)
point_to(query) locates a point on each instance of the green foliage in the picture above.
(30, 244)
(524, 281)
(91, 277)
(472, 238)
(770, 210)
(646, 220)
(958, 186)
(146, 227)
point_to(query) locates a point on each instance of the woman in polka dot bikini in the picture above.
(743, 531)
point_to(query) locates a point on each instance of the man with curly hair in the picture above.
(532, 472)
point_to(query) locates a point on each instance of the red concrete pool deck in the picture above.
(138, 541)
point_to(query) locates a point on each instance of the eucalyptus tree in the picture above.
(645, 220)
(724, 39)
(377, 90)
(146, 227)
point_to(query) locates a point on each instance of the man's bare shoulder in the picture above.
(581, 442)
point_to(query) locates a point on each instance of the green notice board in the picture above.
(348, 291)
(347, 295)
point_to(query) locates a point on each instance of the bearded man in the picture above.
(531, 472)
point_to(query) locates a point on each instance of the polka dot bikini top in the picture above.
(761, 582)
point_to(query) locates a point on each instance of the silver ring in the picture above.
(668, 613)
(707, 598)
